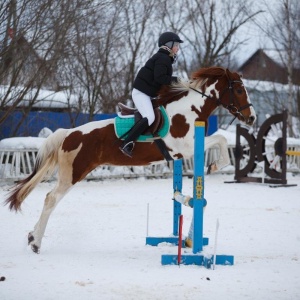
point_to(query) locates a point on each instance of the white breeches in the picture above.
(144, 105)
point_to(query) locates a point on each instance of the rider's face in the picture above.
(175, 48)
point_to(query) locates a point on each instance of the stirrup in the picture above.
(127, 149)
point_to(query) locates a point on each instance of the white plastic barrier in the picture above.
(19, 163)
(293, 161)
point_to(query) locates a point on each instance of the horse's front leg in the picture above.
(223, 159)
(52, 199)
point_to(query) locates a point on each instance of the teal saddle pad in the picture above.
(123, 125)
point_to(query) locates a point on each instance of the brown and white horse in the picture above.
(76, 152)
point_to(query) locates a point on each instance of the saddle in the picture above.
(129, 112)
(128, 116)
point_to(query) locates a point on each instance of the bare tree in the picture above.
(106, 55)
(95, 48)
(210, 30)
(284, 31)
(34, 44)
(209, 27)
(91, 66)
(139, 40)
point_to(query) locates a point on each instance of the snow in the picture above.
(44, 99)
(21, 143)
(228, 134)
(267, 86)
(94, 245)
(28, 142)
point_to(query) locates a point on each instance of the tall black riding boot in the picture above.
(134, 133)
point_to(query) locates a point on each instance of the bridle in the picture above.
(231, 107)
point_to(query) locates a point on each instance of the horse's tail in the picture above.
(45, 166)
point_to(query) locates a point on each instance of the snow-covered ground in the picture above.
(94, 245)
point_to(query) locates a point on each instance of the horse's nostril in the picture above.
(251, 120)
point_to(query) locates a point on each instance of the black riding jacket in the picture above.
(156, 72)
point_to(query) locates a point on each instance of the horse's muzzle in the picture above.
(251, 120)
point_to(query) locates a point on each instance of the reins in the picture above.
(201, 93)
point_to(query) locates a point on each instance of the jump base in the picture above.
(197, 259)
(154, 241)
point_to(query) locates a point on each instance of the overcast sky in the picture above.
(256, 38)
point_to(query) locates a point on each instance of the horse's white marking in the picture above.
(89, 127)
(186, 144)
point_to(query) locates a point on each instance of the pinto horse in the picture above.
(76, 152)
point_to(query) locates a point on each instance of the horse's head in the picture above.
(229, 92)
(234, 97)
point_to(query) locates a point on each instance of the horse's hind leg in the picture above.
(52, 199)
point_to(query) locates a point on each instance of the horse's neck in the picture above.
(183, 114)
(194, 106)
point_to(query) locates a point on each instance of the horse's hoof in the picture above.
(35, 249)
(30, 238)
(211, 168)
(188, 242)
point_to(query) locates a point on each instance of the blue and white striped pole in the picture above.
(177, 187)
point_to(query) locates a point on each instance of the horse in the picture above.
(75, 152)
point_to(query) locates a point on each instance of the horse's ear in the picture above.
(195, 75)
(227, 72)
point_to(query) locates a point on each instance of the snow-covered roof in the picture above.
(265, 86)
(45, 98)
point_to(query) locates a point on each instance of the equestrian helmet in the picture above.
(168, 37)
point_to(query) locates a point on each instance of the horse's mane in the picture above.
(212, 72)
(175, 91)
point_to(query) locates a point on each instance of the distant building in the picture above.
(266, 65)
(266, 78)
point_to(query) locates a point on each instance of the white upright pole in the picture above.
(215, 247)
(147, 226)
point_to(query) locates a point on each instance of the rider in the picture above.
(156, 72)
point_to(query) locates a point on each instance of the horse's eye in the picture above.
(239, 91)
